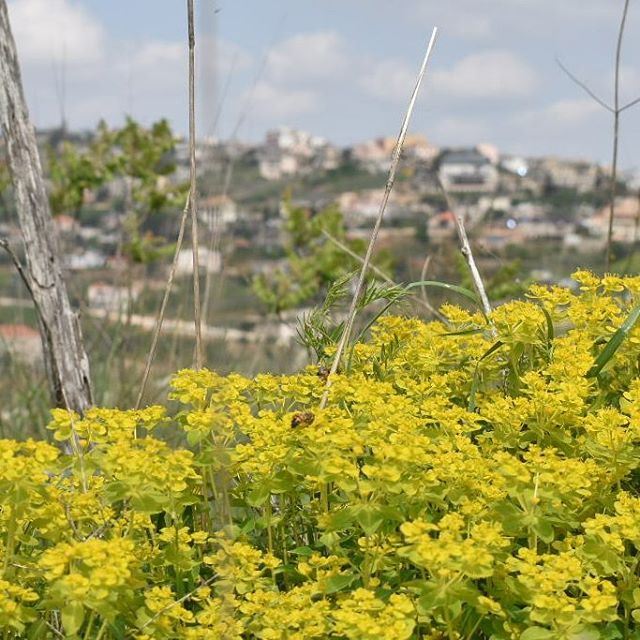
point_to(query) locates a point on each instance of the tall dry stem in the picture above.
(344, 338)
(467, 253)
(193, 196)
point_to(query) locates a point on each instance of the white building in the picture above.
(208, 261)
(111, 298)
(89, 259)
(467, 170)
(288, 152)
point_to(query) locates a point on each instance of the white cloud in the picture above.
(486, 75)
(490, 74)
(560, 115)
(629, 84)
(157, 54)
(272, 101)
(61, 30)
(389, 80)
(459, 130)
(308, 56)
(473, 20)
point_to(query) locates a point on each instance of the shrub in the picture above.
(465, 481)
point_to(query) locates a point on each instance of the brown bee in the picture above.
(302, 419)
(323, 372)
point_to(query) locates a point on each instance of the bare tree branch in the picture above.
(615, 110)
(584, 87)
(344, 338)
(633, 103)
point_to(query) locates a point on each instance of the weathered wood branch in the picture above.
(65, 357)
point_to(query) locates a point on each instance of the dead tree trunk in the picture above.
(65, 358)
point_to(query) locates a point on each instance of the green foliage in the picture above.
(402, 510)
(142, 158)
(73, 172)
(321, 329)
(505, 283)
(313, 262)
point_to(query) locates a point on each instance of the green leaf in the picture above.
(149, 502)
(72, 617)
(537, 633)
(339, 582)
(549, 320)
(302, 551)
(544, 530)
(586, 633)
(369, 518)
(339, 520)
(614, 343)
(259, 494)
(464, 332)
(463, 291)
(476, 377)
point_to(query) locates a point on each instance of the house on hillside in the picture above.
(222, 206)
(441, 226)
(467, 170)
(65, 225)
(625, 222)
(581, 175)
(111, 298)
(288, 152)
(208, 261)
(20, 343)
(375, 155)
(89, 259)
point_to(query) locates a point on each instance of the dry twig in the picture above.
(465, 249)
(615, 110)
(163, 306)
(344, 338)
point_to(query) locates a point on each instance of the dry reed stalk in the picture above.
(163, 306)
(374, 234)
(465, 250)
(193, 199)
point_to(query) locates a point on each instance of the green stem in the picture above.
(101, 630)
(269, 528)
(89, 626)
(324, 497)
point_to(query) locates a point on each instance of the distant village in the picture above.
(506, 200)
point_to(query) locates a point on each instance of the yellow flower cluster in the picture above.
(475, 479)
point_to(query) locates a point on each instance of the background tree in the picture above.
(313, 263)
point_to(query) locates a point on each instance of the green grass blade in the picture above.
(464, 332)
(614, 343)
(463, 291)
(550, 330)
(476, 377)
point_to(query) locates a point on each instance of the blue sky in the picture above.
(341, 68)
